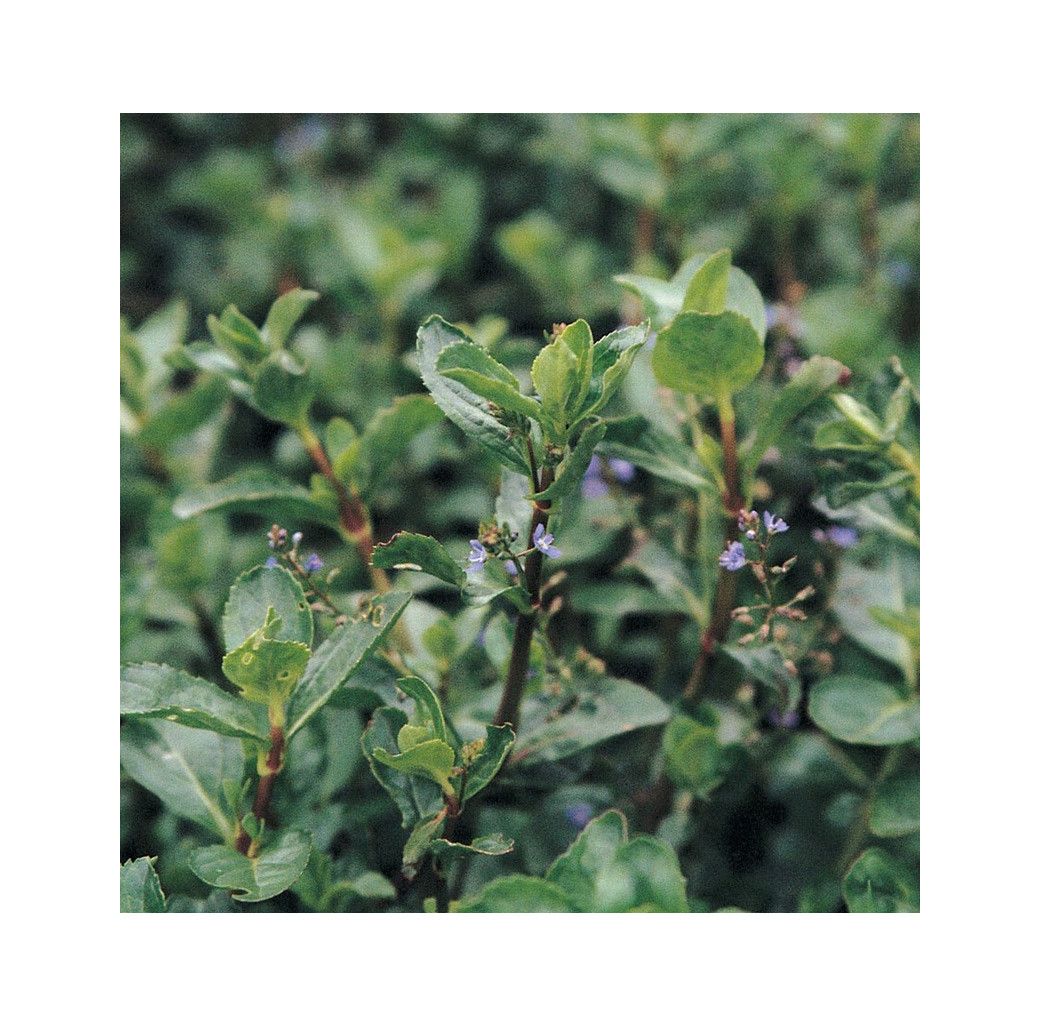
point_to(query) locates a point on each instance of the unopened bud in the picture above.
(805, 593)
(759, 572)
(744, 619)
(747, 637)
(763, 631)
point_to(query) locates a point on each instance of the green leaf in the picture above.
(706, 292)
(636, 440)
(493, 844)
(606, 708)
(572, 471)
(767, 666)
(896, 809)
(578, 337)
(462, 406)
(283, 390)
(662, 300)
(574, 872)
(425, 833)
(339, 656)
(707, 354)
(256, 491)
(693, 756)
(603, 871)
(427, 705)
(471, 366)
(813, 380)
(482, 770)
(185, 768)
(860, 589)
(387, 436)
(264, 668)
(556, 376)
(863, 711)
(276, 868)
(286, 310)
(433, 759)
(416, 797)
(185, 412)
(152, 691)
(517, 894)
(860, 418)
(139, 887)
(841, 436)
(238, 336)
(612, 359)
(877, 882)
(253, 594)
(407, 551)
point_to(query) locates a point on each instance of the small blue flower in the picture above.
(592, 485)
(733, 558)
(622, 469)
(774, 525)
(511, 567)
(477, 556)
(297, 538)
(313, 563)
(544, 542)
(271, 561)
(578, 815)
(843, 537)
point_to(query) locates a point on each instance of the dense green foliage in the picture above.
(593, 443)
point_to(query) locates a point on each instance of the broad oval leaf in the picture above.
(707, 354)
(282, 858)
(864, 711)
(517, 894)
(433, 759)
(253, 594)
(418, 552)
(156, 691)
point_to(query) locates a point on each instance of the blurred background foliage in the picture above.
(507, 223)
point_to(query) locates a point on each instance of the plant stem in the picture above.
(520, 657)
(353, 517)
(272, 766)
(861, 826)
(726, 588)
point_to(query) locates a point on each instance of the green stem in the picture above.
(520, 656)
(861, 826)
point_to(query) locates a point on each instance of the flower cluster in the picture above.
(277, 538)
(494, 542)
(759, 531)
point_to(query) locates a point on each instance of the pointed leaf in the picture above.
(636, 440)
(276, 868)
(574, 872)
(427, 705)
(433, 759)
(813, 380)
(471, 366)
(497, 745)
(644, 876)
(238, 336)
(340, 655)
(256, 491)
(139, 887)
(572, 471)
(612, 359)
(416, 797)
(184, 767)
(152, 691)
(420, 839)
(707, 354)
(463, 407)
(419, 552)
(284, 390)
(555, 373)
(253, 594)
(578, 337)
(286, 310)
(706, 292)
(493, 844)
